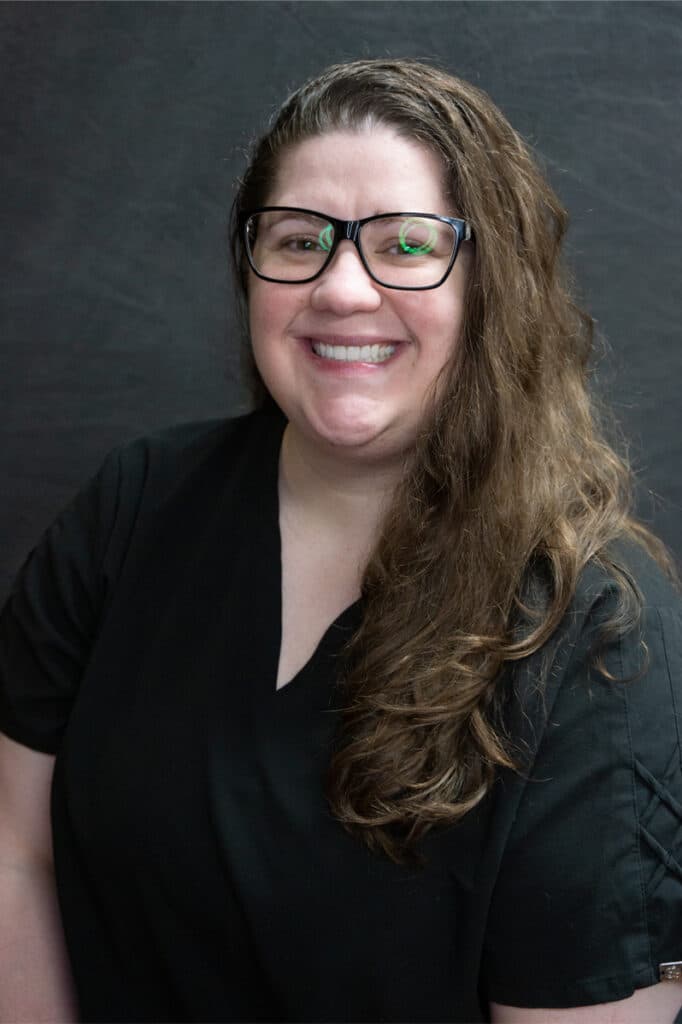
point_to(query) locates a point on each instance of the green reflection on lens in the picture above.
(326, 237)
(425, 247)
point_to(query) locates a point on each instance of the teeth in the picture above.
(352, 353)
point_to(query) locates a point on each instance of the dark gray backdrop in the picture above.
(122, 127)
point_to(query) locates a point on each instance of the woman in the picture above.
(362, 703)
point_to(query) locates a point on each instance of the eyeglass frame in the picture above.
(349, 230)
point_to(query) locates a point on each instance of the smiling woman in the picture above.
(363, 705)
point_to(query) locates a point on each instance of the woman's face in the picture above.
(356, 411)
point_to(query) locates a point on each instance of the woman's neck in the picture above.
(343, 497)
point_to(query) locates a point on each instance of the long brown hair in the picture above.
(510, 474)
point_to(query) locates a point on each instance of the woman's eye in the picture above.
(411, 247)
(300, 243)
(414, 237)
(406, 247)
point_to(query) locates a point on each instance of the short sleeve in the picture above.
(51, 617)
(588, 901)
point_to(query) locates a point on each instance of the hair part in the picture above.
(509, 481)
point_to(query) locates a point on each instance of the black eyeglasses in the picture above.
(410, 251)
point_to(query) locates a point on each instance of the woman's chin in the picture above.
(351, 435)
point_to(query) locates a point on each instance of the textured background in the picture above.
(122, 127)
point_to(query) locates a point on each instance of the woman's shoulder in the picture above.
(654, 584)
(618, 595)
(624, 622)
(189, 442)
(625, 630)
(150, 466)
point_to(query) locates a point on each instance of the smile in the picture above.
(354, 353)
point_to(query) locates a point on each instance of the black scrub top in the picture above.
(200, 874)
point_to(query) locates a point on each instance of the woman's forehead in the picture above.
(373, 170)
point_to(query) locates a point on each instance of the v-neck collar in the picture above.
(340, 629)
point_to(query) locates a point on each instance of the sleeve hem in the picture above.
(569, 994)
(28, 737)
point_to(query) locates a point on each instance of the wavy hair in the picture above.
(510, 476)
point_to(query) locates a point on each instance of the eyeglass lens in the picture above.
(409, 252)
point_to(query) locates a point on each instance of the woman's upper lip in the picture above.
(358, 340)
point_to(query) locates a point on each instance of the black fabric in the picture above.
(200, 873)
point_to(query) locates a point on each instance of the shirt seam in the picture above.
(677, 711)
(114, 518)
(638, 834)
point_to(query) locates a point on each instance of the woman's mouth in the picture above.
(349, 359)
(354, 353)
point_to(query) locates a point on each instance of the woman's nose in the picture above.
(345, 286)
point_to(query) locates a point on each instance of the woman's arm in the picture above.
(658, 1004)
(35, 979)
